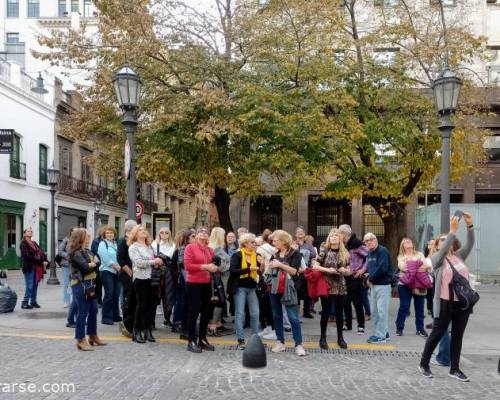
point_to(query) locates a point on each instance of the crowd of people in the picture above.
(204, 278)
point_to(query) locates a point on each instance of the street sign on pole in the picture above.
(6, 141)
(139, 209)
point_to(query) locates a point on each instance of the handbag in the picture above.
(289, 297)
(89, 290)
(459, 285)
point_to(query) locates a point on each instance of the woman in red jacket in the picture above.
(198, 264)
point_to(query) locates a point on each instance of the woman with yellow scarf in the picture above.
(243, 285)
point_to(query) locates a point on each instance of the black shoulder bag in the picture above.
(460, 286)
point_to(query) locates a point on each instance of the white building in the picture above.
(24, 194)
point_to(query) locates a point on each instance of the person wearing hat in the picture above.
(198, 264)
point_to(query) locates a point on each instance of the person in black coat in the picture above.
(34, 262)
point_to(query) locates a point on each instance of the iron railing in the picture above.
(87, 190)
(17, 169)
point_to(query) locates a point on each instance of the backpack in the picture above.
(459, 285)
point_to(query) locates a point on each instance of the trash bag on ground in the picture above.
(8, 299)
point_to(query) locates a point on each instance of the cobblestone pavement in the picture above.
(167, 371)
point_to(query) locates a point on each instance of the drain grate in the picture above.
(353, 352)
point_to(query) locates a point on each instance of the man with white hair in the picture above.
(358, 253)
(380, 274)
(128, 307)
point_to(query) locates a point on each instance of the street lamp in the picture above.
(128, 87)
(446, 90)
(52, 180)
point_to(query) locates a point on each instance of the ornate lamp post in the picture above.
(52, 180)
(128, 87)
(446, 90)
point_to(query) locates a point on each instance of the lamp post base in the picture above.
(53, 281)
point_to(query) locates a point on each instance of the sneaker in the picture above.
(300, 351)
(361, 331)
(399, 332)
(70, 325)
(270, 336)
(241, 344)
(278, 347)
(65, 305)
(288, 329)
(434, 361)
(387, 337)
(35, 305)
(265, 331)
(422, 333)
(425, 371)
(457, 374)
(26, 307)
(376, 340)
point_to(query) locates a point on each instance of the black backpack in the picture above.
(459, 285)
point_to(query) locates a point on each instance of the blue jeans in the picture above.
(443, 355)
(366, 302)
(293, 316)
(242, 296)
(381, 297)
(73, 310)
(405, 296)
(66, 284)
(111, 301)
(87, 313)
(31, 287)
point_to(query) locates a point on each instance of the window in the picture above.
(13, 8)
(65, 156)
(13, 37)
(372, 222)
(33, 8)
(87, 175)
(385, 3)
(87, 8)
(42, 161)
(117, 226)
(62, 8)
(17, 168)
(75, 5)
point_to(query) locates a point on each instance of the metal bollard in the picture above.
(254, 355)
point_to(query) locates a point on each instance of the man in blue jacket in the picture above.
(380, 274)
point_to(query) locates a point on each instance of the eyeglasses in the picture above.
(442, 239)
(163, 233)
(369, 240)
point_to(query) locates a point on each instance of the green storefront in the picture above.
(11, 233)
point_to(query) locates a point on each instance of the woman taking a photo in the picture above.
(34, 261)
(83, 285)
(449, 255)
(333, 262)
(143, 260)
(198, 264)
(109, 270)
(243, 284)
(413, 283)
(286, 261)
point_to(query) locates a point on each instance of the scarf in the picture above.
(244, 265)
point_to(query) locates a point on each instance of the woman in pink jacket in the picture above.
(198, 264)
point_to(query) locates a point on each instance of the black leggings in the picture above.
(146, 301)
(354, 296)
(198, 297)
(326, 307)
(458, 321)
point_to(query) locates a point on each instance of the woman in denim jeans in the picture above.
(83, 274)
(287, 261)
(243, 284)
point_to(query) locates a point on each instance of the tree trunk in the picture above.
(222, 200)
(395, 230)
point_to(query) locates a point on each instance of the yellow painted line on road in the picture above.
(217, 341)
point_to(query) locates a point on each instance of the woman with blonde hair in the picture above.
(217, 242)
(333, 262)
(413, 283)
(143, 261)
(286, 262)
(83, 285)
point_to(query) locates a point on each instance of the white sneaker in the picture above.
(300, 351)
(278, 347)
(270, 336)
(265, 331)
(66, 305)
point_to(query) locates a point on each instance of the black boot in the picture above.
(193, 347)
(323, 344)
(341, 342)
(203, 343)
(138, 337)
(149, 335)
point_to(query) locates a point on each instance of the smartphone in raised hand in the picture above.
(459, 214)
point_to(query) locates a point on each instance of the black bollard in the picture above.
(254, 355)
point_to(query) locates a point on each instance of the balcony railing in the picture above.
(149, 206)
(87, 190)
(17, 170)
